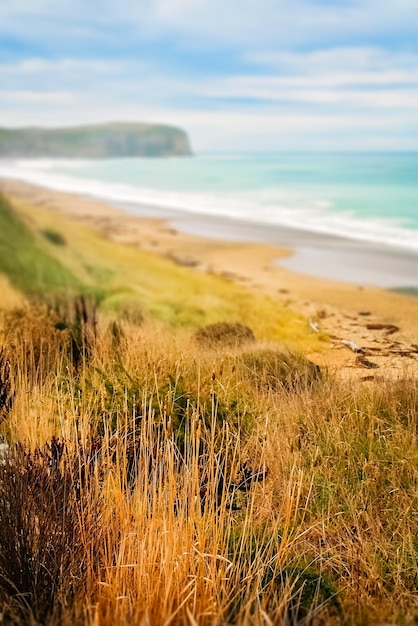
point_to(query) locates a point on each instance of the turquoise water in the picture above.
(364, 196)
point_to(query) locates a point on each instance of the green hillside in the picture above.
(98, 141)
(25, 259)
(46, 255)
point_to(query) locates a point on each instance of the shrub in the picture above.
(310, 590)
(277, 369)
(225, 334)
(46, 521)
(54, 237)
(78, 316)
(6, 386)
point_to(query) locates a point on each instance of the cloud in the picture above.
(338, 60)
(256, 73)
(331, 75)
(355, 77)
(40, 68)
(40, 97)
(325, 107)
(263, 23)
(278, 23)
(260, 89)
(268, 128)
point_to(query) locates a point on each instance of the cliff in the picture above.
(98, 141)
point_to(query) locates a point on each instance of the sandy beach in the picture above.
(371, 331)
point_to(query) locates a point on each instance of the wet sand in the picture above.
(315, 254)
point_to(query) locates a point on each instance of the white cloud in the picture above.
(249, 21)
(281, 91)
(339, 60)
(43, 97)
(352, 77)
(13, 7)
(337, 95)
(337, 107)
(309, 91)
(237, 129)
(39, 67)
(199, 22)
(324, 77)
(278, 22)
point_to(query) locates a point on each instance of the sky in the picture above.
(236, 74)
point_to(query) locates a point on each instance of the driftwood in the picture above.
(389, 328)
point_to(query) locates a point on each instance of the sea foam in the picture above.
(269, 206)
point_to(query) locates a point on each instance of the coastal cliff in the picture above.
(98, 141)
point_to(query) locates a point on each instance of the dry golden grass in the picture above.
(153, 480)
(10, 297)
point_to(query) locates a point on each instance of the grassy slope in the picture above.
(128, 277)
(26, 261)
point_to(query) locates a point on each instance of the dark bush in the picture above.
(46, 522)
(6, 386)
(78, 316)
(225, 334)
(312, 592)
(275, 369)
(54, 237)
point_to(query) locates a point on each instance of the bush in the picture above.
(225, 334)
(6, 386)
(54, 237)
(78, 316)
(276, 369)
(45, 523)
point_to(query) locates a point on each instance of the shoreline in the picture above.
(345, 313)
(295, 211)
(319, 255)
(349, 258)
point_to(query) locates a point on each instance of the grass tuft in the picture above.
(273, 370)
(54, 237)
(225, 334)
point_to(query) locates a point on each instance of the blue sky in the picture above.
(237, 74)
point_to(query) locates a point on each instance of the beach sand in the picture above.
(372, 332)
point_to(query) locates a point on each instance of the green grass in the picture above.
(25, 260)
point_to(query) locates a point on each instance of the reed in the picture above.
(156, 481)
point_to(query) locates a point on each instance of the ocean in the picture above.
(369, 197)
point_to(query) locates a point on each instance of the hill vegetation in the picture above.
(99, 141)
(26, 262)
(171, 456)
